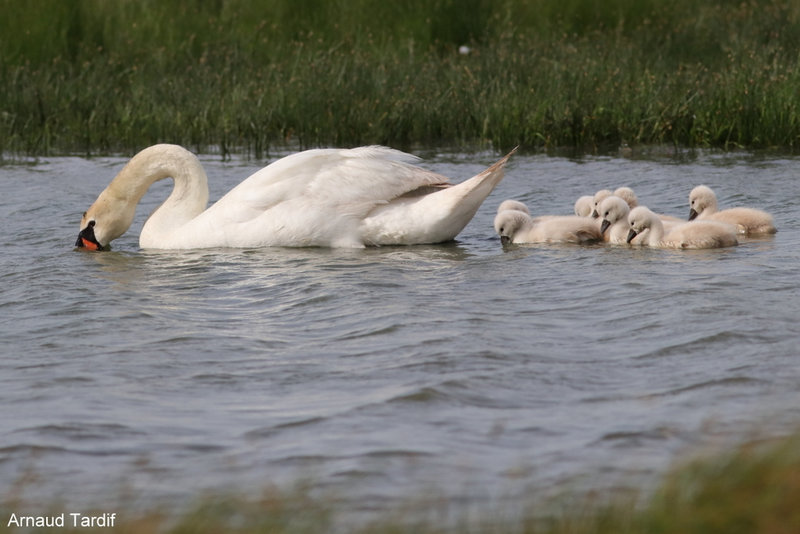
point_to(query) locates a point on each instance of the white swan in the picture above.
(516, 227)
(702, 234)
(748, 221)
(324, 197)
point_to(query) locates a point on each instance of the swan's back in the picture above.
(566, 229)
(689, 235)
(748, 221)
(318, 197)
(370, 174)
(700, 234)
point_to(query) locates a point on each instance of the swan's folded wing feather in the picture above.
(353, 179)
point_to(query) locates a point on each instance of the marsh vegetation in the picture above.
(88, 76)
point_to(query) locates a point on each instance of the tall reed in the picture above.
(88, 76)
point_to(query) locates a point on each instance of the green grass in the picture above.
(751, 489)
(91, 76)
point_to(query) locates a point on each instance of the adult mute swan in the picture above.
(748, 221)
(514, 226)
(325, 197)
(701, 234)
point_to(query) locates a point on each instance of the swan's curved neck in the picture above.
(189, 197)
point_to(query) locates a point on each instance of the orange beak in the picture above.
(87, 240)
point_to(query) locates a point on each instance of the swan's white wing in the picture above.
(316, 197)
(357, 179)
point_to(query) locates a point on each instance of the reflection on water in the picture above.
(478, 371)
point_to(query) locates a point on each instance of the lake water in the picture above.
(465, 371)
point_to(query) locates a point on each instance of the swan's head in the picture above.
(107, 219)
(597, 199)
(508, 223)
(700, 199)
(612, 209)
(640, 220)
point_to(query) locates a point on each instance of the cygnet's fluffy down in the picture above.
(516, 205)
(584, 206)
(599, 197)
(614, 222)
(614, 212)
(691, 235)
(627, 194)
(516, 227)
(748, 221)
(513, 205)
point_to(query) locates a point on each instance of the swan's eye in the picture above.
(502, 229)
(91, 224)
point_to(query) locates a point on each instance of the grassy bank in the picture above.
(752, 489)
(90, 76)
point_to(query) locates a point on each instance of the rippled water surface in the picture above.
(462, 370)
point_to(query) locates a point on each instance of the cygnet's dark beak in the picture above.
(692, 214)
(631, 235)
(505, 240)
(604, 226)
(87, 240)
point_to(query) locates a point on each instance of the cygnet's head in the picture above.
(627, 194)
(584, 206)
(597, 199)
(508, 223)
(640, 220)
(612, 209)
(700, 199)
(513, 205)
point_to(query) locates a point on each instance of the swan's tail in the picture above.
(435, 217)
(464, 199)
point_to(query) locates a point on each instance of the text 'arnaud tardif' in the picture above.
(72, 519)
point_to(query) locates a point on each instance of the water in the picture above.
(465, 371)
